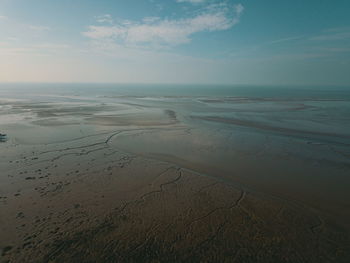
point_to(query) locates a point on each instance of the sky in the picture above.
(249, 42)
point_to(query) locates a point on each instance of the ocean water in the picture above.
(287, 92)
(290, 142)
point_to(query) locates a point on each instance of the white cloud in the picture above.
(165, 32)
(106, 18)
(150, 19)
(3, 17)
(98, 32)
(239, 8)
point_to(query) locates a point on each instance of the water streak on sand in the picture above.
(263, 126)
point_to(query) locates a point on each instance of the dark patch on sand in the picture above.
(262, 126)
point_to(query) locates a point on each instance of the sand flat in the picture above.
(163, 187)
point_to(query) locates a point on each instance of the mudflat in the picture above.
(134, 179)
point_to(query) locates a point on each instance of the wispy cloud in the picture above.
(166, 32)
(3, 17)
(106, 18)
(45, 48)
(287, 39)
(333, 34)
(38, 28)
(7, 49)
(51, 46)
(191, 1)
(332, 49)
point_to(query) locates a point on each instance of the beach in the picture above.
(137, 175)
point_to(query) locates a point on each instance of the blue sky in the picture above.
(264, 42)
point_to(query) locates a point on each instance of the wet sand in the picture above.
(151, 185)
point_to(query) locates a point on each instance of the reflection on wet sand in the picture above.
(262, 126)
(135, 179)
